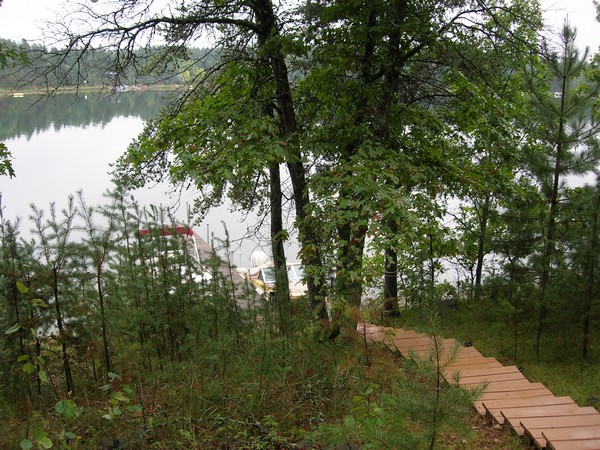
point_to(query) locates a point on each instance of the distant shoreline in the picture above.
(86, 90)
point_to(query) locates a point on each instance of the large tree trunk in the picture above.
(349, 280)
(310, 253)
(282, 288)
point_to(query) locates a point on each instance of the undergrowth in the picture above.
(262, 392)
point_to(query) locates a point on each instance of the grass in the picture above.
(263, 393)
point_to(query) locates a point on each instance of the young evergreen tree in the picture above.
(98, 245)
(565, 127)
(54, 250)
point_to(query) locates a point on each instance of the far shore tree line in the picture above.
(23, 66)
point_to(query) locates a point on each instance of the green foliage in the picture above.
(66, 408)
(40, 439)
(11, 55)
(5, 164)
(120, 401)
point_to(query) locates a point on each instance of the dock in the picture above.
(245, 294)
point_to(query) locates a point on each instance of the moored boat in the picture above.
(261, 274)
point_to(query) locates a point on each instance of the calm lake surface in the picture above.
(65, 144)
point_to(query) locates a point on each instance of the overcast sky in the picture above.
(20, 19)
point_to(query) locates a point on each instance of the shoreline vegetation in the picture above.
(85, 89)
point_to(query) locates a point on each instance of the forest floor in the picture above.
(266, 391)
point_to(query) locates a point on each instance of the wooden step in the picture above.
(534, 436)
(511, 386)
(496, 408)
(590, 444)
(516, 415)
(487, 371)
(521, 426)
(572, 434)
(451, 358)
(487, 363)
(559, 422)
(479, 379)
(511, 395)
(468, 352)
(539, 423)
(537, 390)
(462, 352)
(422, 344)
(408, 334)
(473, 363)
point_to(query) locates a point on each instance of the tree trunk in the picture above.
(483, 220)
(590, 294)
(62, 335)
(107, 364)
(349, 278)
(390, 281)
(282, 287)
(549, 245)
(310, 254)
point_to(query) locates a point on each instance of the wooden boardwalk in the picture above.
(509, 399)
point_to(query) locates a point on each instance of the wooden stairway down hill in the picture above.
(509, 399)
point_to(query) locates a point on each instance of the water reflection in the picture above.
(63, 145)
(31, 114)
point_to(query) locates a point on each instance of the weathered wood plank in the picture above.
(496, 409)
(488, 371)
(537, 390)
(571, 434)
(510, 395)
(407, 334)
(534, 436)
(475, 362)
(517, 414)
(511, 386)
(555, 435)
(478, 379)
(521, 425)
(420, 343)
(534, 423)
(590, 444)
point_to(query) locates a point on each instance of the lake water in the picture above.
(65, 144)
